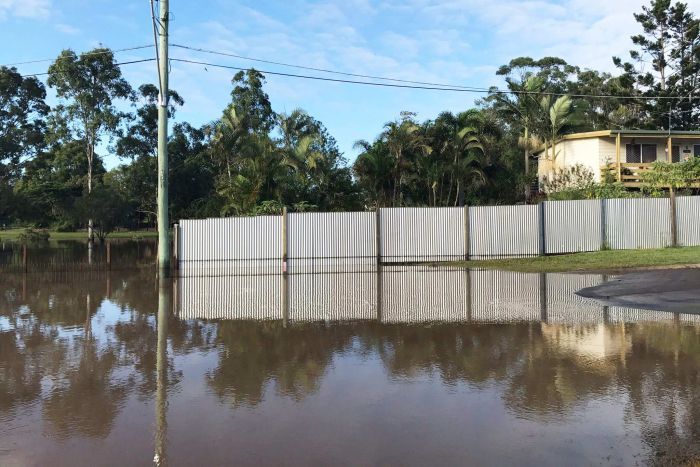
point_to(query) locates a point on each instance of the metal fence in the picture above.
(314, 242)
(638, 223)
(505, 231)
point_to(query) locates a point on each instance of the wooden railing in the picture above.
(629, 173)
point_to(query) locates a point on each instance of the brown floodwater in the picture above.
(350, 366)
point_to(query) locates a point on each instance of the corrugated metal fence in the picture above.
(310, 241)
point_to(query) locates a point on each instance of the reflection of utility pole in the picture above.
(163, 222)
(164, 290)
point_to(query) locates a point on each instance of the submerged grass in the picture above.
(606, 260)
(13, 234)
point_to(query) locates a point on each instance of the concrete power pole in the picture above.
(163, 221)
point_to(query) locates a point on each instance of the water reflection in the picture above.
(416, 365)
(401, 294)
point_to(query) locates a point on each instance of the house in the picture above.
(621, 154)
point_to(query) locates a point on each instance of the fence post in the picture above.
(24, 257)
(674, 219)
(109, 255)
(284, 240)
(378, 236)
(543, 245)
(466, 233)
(285, 273)
(603, 224)
(176, 246)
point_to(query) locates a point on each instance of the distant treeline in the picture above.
(253, 160)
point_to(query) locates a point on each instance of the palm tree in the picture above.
(522, 109)
(401, 138)
(373, 169)
(555, 117)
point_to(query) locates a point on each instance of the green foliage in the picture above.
(675, 175)
(105, 206)
(252, 160)
(32, 236)
(578, 182)
(22, 125)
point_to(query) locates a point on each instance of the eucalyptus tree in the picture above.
(139, 144)
(22, 127)
(88, 86)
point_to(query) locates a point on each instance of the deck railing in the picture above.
(629, 173)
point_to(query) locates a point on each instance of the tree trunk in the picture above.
(90, 157)
(527, 165)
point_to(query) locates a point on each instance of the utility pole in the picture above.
(163, 221)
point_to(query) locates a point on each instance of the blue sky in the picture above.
(455, 41)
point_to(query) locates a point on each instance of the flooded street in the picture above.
(339, 366)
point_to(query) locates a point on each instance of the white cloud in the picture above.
(35, 9)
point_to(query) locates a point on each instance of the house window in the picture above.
(696, 150)
(643, 153)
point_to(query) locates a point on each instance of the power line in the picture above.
(127, 49)
(325, 70)
(431, 88)
(131, 62)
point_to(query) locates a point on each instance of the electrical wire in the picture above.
(127, 49)
(325, 70)
(430, 88)
(131, 62)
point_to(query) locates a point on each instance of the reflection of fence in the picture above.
(404, 235)
(400, 294)
(74, 256)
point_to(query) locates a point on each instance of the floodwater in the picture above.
(405, 366)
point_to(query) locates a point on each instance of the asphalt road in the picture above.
(675, 290)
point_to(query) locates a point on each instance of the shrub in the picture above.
(577, 182)
(34, 236)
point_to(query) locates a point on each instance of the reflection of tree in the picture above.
(457, 352)
(252, 354)
(93, 370)
(88, 398)
(23, 362)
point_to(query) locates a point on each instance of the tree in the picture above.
(665, 63)
(106, 207)
(140, 144)
(88, 85)
(22, 127)
(556, 115)
(402, 137)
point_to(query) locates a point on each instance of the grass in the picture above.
(12, 234)
(607, 260)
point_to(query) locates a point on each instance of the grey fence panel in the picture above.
(504, 231)
(688, 220)
(230, 297)
(339, 235)
(638, 223)
(422, 234)
(573, 226)
(231, 239)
